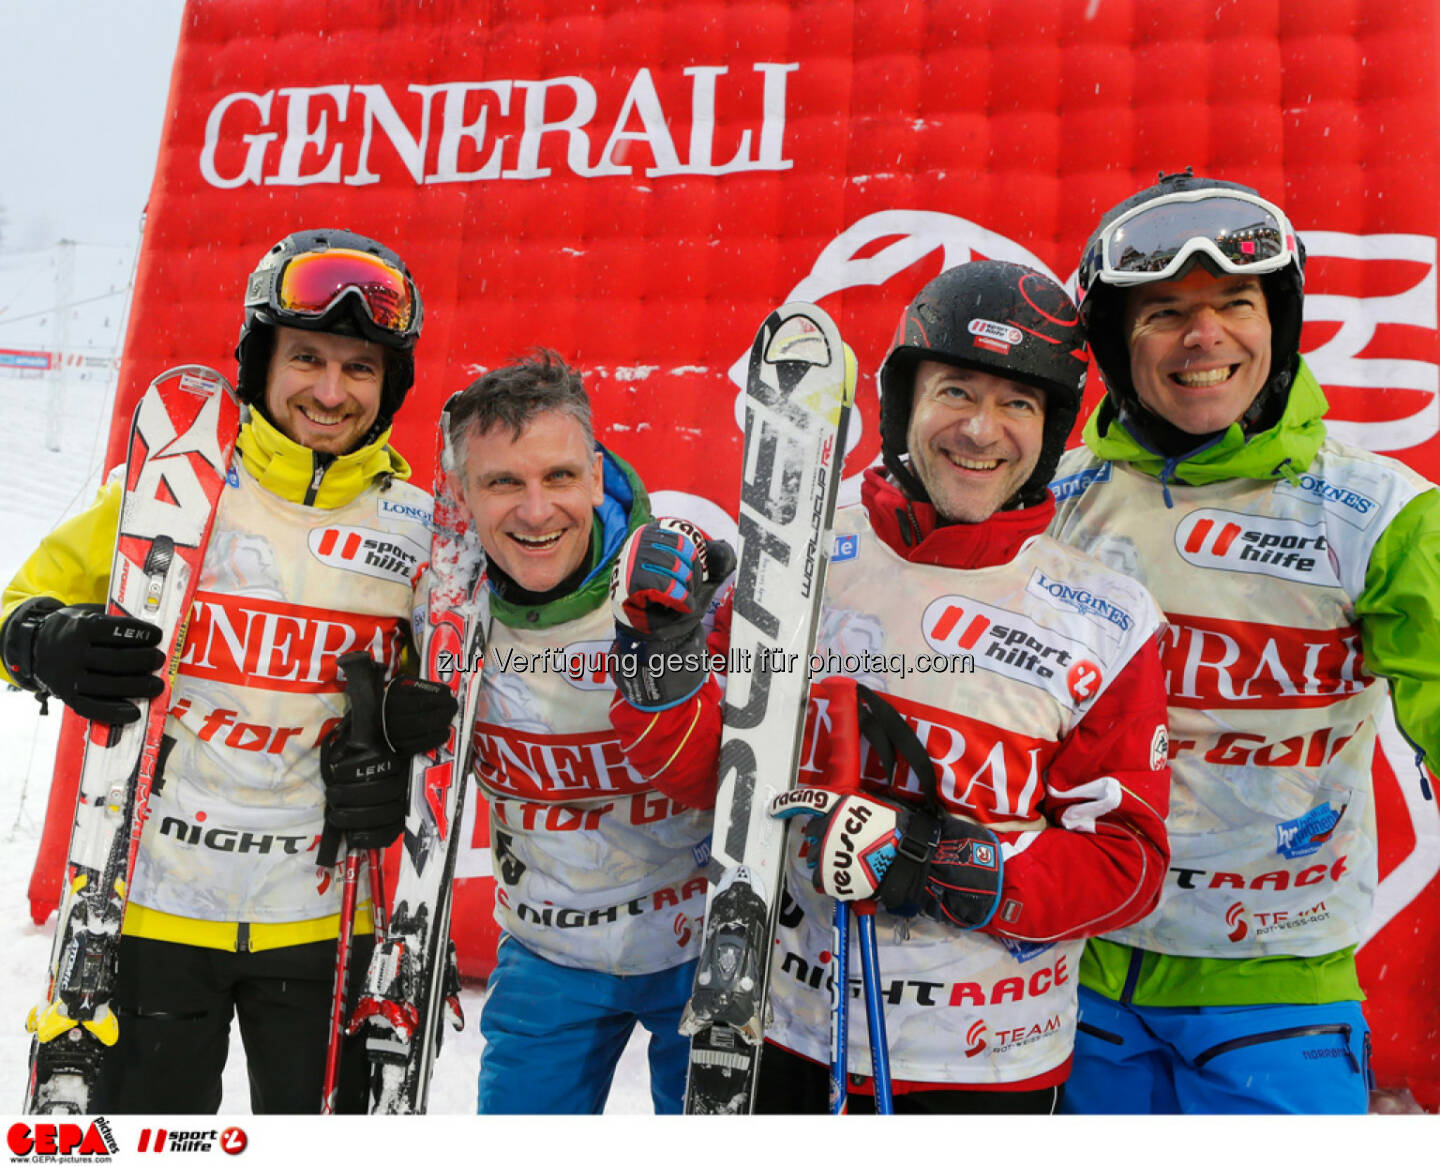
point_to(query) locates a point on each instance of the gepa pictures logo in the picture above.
(42, 1139)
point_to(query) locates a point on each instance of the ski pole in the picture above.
(363, 678)
(874, 1006)
(840, 1007)
(342, 971)
(379, 914)
(343, 947)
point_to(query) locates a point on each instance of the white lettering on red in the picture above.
(279, 646)
(553, 767)
(978, 766)
(1210, 662)
(314, 122)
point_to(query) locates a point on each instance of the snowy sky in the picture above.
(82, 101)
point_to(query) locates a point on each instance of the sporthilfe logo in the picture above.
(1012, 645)
(996, 337)
(1279, 547)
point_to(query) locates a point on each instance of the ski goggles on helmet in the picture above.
(308, 286)
(1241, 233)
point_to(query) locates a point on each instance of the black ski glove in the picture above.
(415, 715)
(367, 783)
(97, 664)
(660, 587)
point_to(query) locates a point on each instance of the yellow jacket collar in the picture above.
(298, 474)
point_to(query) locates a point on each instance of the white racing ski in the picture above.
(180, 446)
(412, 971)
(797, 401)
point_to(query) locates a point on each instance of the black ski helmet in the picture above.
(347, 313)
(1102, 308)
(995, 317)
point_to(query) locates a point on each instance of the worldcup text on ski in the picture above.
(582, 665)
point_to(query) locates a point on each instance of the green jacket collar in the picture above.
(299, 474)
(626, 507)
(1282, 451)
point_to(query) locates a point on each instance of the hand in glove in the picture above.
(850, 839)
(660, 587)
(415, 715)
(862, 848)
(365, 759)
(98, 664)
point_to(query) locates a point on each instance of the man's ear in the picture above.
(597, 488)
(456, 487)
(455, 475)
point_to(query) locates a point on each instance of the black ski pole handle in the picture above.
(365, 684)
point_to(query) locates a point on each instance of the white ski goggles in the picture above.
(1243, 234)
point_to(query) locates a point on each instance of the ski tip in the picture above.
(802, 334)
(799, 353)
(200, 379)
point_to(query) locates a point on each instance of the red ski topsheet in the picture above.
(637, 185)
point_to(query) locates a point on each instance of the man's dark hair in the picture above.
(514, 395)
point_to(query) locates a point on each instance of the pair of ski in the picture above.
(413, 977)
(798, 396)
(181, 443)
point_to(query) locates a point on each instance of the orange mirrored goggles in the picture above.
(310, 284)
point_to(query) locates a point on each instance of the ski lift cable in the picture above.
(62, 307)
(103, 417)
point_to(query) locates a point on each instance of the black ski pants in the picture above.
(175, 1004)
(790, 1083)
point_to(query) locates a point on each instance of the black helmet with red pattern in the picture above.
(1000, 318)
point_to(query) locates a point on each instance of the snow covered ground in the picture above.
(39, 488)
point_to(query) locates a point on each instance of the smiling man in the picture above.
(533, 499)
(974, 438)
(599, 769)
(217, 928)
(1041, 819)
(1283, 559)
(323, 389)
(1200, 348)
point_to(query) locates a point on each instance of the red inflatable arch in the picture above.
(636, 185)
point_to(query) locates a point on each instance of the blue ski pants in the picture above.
(553, 1035)
(1262, 1058)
